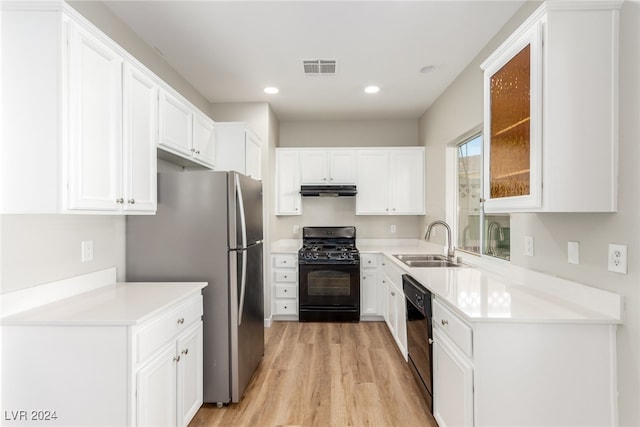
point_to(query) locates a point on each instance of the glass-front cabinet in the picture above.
(512, 126)
(551, 112)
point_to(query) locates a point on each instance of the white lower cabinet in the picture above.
(452, 384)
(285, 286)
(369, 308)
(396, 309)
(169, 387)
(145, 371)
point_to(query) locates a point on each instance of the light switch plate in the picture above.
(573, 252)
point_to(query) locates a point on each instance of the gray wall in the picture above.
(341, 211)
(459, 109)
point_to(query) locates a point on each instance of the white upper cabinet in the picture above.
(391, 181)
(551, 112)
(176, 125)
(238, 149)
(288, 199)
(140, 101)
(322, 166)
(95, 123)
(204, 139)
(82, 111)
(185, 131)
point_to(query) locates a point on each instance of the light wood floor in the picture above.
(326, 374)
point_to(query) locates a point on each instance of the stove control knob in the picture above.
(315, 255)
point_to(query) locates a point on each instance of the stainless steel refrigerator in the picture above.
(208, 227)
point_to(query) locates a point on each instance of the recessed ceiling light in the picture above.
(271, 90)
(372, 89)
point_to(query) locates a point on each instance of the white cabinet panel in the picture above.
(322, 166)
(176, 121)
(238, 149)
(157, 391)
(390, 181)
(288, 199)
(95, 123)
(190, 375)
(140, 112)
(204, 139)
(373, 183)
(368, 292)
(452, 384)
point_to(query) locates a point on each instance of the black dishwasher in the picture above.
(419, 335)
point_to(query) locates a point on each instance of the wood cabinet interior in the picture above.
(510, 127)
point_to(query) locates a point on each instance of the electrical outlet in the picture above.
(393, 228)
(573, 252)
(617, 258)
(528, 245)
(296, 229)
(87, 251)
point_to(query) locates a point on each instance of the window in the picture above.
(477, 233)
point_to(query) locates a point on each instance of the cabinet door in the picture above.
(452, 384)
(313, 167)
(369, 303)
(189, 392)
(94, 123)
(382, 290)
(253, 158)
(512, 141)
(139, 160)
(373, 183)
(287, 183)
(392, 308)
(407, 182)
(342, 166)
(156, 390)
(176, 125)
(204, 139)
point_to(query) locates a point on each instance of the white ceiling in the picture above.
(230, 50)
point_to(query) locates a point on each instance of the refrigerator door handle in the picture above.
(243, 231)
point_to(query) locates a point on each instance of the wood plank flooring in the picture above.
(326, 374)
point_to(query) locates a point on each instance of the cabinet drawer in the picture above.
(286, 291)
(286, 307)
(392, 271)
(458, 331)
(285, 260)
(285, 276)
(167, 326)
(368, 260)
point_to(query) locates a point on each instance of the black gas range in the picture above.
(329, 275)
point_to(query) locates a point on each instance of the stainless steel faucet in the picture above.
(451, 250)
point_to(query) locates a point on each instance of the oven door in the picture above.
(331, 289)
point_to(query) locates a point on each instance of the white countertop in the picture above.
(507, 294)
(115, 304)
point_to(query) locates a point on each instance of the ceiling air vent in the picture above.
(319, 67)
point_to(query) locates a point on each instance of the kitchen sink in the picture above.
(427, 261)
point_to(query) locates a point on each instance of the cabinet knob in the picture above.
(394, 209)
(286, 306)
(369, 262)
(176, 358)
(444, 322)
(285, 291)
(430, 340)
(284, 262)
(185, 351)
(181, 320)
(120, 200)
(131, 201)
(393, 294)
(285, 276)
(193, 150)
(198, 152)
(386, 209)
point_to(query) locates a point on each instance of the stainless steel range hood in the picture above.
(328, 190)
